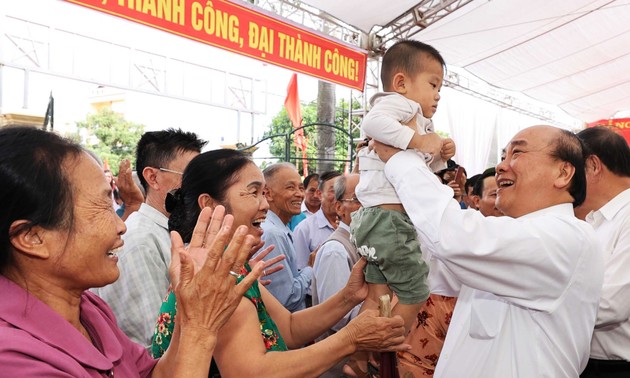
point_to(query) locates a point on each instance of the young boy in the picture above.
(411, 74)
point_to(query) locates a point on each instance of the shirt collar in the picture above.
(344, 226)
(560, 209)
(154, 214)
(275, 220)
(322, 221)
(610, 209)
(305, 209)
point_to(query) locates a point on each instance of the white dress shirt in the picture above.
(332, 269)
(611, 338)
(528, 288)
(309, 234)
(305, 210)
(384, 123)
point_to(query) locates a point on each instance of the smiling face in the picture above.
(246, 202)
(424, 87)
(487, 201)
(312, 196)
(85, 255)
(529, 177)
(285, 193)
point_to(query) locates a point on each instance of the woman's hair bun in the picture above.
(173, 200)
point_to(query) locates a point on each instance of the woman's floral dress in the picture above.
(166, 323)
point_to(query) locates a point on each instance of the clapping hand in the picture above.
(206, 287)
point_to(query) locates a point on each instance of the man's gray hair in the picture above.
(340, 187)
(273, 169)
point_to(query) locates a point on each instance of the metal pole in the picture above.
(287, 146)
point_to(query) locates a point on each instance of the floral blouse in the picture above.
(166, 322)
(427, 337)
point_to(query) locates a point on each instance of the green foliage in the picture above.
(110, 136)
(281, 125)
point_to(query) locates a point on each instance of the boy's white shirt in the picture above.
(384, 122)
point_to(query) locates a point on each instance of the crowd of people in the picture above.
(214, 267)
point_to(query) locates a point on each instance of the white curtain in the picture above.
(471, 122)
(479, 128)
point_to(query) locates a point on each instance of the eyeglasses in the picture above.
(171, 171)
(353, 200)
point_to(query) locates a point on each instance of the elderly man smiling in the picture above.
(528, 284)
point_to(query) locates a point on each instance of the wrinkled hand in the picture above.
(206, 299)
(384, 151)
(356, 287)
(370, 332)
(127, 188)
(267, 271)
(448, 149)
(208, 225)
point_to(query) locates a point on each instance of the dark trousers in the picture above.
(606, 369)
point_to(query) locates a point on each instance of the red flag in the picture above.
(294, 111)
(292, 102)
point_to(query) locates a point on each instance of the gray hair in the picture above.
(340, 187)
(273, 169)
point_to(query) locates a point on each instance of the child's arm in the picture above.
(448, 149)
(384, 121)
(430, 143)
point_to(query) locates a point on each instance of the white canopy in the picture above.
(574, 54)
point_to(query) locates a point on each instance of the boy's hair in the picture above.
(403, 56)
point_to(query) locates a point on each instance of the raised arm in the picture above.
(207, 298)
(480, 251)
(366, 332)
(384, 122)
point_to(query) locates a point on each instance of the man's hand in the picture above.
(356, 287)
(456, 190)
(129, 192)
(384, 151)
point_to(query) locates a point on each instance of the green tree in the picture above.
(110, 136)
(281, 124)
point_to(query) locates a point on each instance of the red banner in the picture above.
(620, 125)
(237, 28)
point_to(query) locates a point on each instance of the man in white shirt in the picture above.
(528, 284)
(485, 194)
(136, 297)
(312, 201)
(607, 209)
(314, 230)
(337, 255)
(335, 258)
(312, 195)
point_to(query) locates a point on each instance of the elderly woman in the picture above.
(256, 339)
(58, 237)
